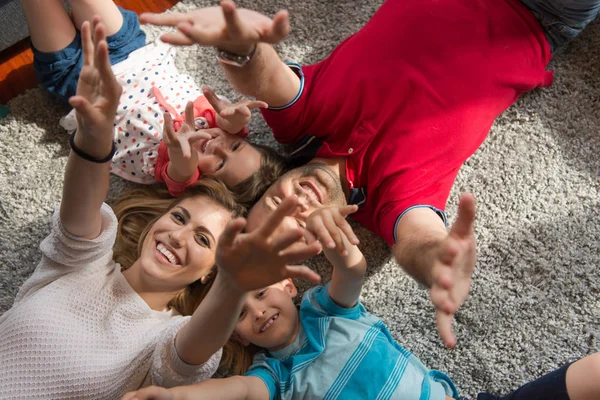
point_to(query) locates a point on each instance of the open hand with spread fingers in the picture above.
(452, 269)
(97, 95)
(225, 27)
(330, 227)
(231, 117)
(262, 257)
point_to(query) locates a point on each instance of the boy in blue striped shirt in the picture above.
(332, 348)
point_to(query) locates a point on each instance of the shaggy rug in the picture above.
(534, 304)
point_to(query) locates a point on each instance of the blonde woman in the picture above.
(83, 326)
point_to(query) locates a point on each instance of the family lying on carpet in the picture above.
(161, 291)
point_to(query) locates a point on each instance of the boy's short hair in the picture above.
(272, 166)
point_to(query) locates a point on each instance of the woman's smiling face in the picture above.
(180, 247)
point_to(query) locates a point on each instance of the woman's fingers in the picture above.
(287, 207)
(232, 230)
(82, 106)
(87, 44)
(300, 252)
(302, 272)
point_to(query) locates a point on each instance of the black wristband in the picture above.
(86, 156)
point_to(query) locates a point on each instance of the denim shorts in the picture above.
(563, 20)
(58, 72)
(552, 386)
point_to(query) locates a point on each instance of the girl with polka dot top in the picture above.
(158, 100)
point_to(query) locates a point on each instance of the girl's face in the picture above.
(227, 157)
(180, 247)
(269, 318)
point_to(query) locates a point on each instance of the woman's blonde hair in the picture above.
(141, 207)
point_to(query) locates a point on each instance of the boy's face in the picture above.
(227, 157)
(269, 318)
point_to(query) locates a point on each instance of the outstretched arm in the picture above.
(86, 182)
(246, 261)
(339, 244)
(265, 76)
(441, 260)
(233, 388)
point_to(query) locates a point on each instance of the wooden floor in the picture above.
(16, 63)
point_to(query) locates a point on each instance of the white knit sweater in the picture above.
(77, 330)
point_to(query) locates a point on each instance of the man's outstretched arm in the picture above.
(239, 32)
(441, 260)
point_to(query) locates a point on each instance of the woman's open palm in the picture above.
(263, 257)
(98, 91)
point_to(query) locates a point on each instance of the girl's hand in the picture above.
(183, 158)
(231, 117)
(329, 226)
(225, 27)
(150, 393)
(260, 258)
(98, 94)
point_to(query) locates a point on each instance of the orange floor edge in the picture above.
(16, 63)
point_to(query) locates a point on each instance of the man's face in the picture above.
(317, 186)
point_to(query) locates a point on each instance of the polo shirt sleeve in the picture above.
(288, 121)
(321, 300)
(433, 197)
(261, 370)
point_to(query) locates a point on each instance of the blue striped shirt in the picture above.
(346, 353)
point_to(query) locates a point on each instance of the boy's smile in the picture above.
(269, 318)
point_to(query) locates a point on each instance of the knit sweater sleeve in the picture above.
(169, 370)
(63, 252)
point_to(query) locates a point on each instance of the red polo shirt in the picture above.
(408, 98)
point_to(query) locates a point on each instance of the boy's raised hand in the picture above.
(262, 257)
(231, 117)
(225, 27)
(329, 226)
(98, 93)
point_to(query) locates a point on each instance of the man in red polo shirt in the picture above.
(387, 120)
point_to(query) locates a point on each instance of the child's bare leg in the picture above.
(583, 378)
(50, 27)
(85, 10)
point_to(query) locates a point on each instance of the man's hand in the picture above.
(231, 117)
(98, 94)
(260, 258)
(452, 269)
(225, 27)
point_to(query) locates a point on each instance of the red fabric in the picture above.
(413, 94)
(202, 108)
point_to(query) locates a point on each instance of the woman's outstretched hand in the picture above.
(98, 93)
(260, 258)
(225, 27)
